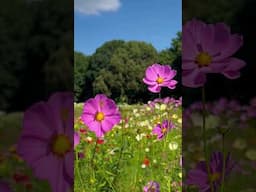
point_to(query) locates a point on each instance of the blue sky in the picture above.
(152, 21)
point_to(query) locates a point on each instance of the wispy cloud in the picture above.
(95, 7)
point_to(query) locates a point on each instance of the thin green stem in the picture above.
(93, 154)
(224, 162)
(120, 154)
(204, 137)
(78, 171)
(170, 186)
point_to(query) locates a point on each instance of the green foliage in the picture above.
(211, 11)
(81, 63)
(124, 73)
(168, 56)
(36, 38)
(11, 49)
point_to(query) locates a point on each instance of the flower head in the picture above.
(100, 114)
(146, 162)
(46, 141)
(199, 176)
(158, 76)
(208, 48)
(152, 186)
(162, 129)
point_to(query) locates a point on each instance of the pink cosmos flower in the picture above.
(46, 141)
(208, 48)
(100, 114)
(199, 176)
(152, 186)
(76, 139)
(162, 129)
(158, 76)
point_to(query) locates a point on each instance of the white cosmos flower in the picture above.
(163, 107)
(174, 116)
(173, 146)
(157, 106)
(140, 136)
(148, 108)
(251, 154)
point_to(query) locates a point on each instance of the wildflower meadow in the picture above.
(121, 147)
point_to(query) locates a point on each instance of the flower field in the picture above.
(131, 157)
(237, 122)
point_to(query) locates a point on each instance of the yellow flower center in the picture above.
(215, 177)
(152, 189)
(203, 59)
(99, 116)
(164, 130)
(159, 80)
(61, 145)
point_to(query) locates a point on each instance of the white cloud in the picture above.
(94, 7)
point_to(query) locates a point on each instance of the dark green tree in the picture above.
(117, 69)
(81, 63)
(36, 40)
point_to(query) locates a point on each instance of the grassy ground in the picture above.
(130, 156)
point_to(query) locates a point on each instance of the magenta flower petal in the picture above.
(56, 166)
(96, 128)
(151, 74)
(69, 167)
(193, 78)
(189, 49)
(232, 69)
(234, 43)
(148, 82)
(88, 118)
(76, 139)
(39, 149)
(154, 89)
(91, 106)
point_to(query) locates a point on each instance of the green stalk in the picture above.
(78, 171)
(93, 154)
(204, 137)
(120, 154)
